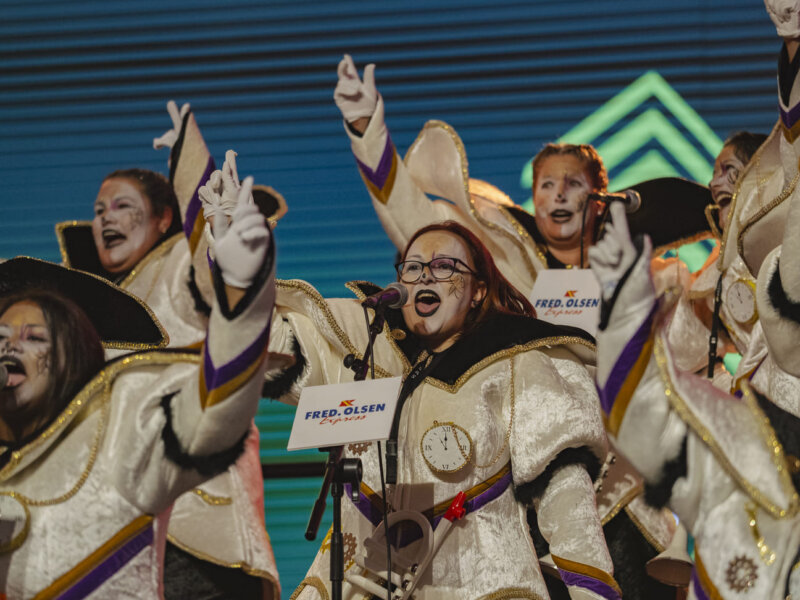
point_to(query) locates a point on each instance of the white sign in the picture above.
(344, 413)
(567, 297)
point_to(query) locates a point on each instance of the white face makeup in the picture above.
(559, 195)
(25, 344)
(124, 226)
(436, 310)
(727, 168)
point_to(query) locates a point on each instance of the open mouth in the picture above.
(561, 215)
(15, 369)
(112, 238)
(426, 302)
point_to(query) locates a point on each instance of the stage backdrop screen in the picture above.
(655, 86)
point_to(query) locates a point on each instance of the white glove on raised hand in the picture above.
(220, 193)
(612, 256)
(171, 135)
(785, 14)
(356, 99)
(241, 247)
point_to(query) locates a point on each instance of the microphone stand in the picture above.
(341, 471)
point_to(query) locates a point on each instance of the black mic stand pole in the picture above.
(340, 471)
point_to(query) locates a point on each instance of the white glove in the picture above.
(354, 98)
(785, 14)
(612, 256)
(220, 193)
(240, 248)
(171, 135)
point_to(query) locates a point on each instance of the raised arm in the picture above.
(176, 427)
(400, 204)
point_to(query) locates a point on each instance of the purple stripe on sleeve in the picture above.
(698, 587)
(217, 376)
(628, 357)
(193, 209)
(364, 506)
(589, 583)
(791, 116)
(381, 173)
(111, 565)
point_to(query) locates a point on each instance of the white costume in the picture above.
(84, 505)
(436, 165)
(222, 521)
(527, 403)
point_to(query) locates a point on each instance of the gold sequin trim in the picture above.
(465, 183)
(211, 499)
(314, 582)
(235, 565)
(316, 298)
(102, 380)
(764, 551)
(772, 443)
(621, 503)
(643, 530)
(62, 240)
(508, 353)
(511, 594)
(764, 211)
(117, 345)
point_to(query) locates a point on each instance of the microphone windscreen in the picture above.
(402, 294)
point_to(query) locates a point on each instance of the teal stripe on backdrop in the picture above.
(83, 84)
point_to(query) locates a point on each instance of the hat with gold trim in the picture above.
(120, 318)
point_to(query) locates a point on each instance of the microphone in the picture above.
(393, 295)
(3, 376)
(630, 198)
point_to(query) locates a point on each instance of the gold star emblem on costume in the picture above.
(741, 574)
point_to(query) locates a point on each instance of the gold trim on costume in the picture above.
(622, 503)
(116, 345)
(511, 594)
(210, 559)
(154, 254)
(314, 295)
(710, 208)
(314, 582)
(705, 581)
(644, 531)
(103, 378)
(465, 184)
(587, 570)
(84, 567)
(773, 445)
(211, 499)
(464, 455)
(764, 551)
(507, 353)
(62, 241)
(762, 212)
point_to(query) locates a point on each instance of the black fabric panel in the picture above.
(777, 296)
(208, 465)
(526, 492)
(280, 385)
(659, 493)
(200, 305)
(787, 429)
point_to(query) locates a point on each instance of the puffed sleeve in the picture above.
(172, 428)
(400, 204)
(557, 439)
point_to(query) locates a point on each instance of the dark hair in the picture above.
(501, 296)
(76, 352)
(158, 190)
(584, 152)
(745, 144)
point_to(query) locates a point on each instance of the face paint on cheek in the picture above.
(43, 361)
(136, 217)
(733, 176)
(457, 285)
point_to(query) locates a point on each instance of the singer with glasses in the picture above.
(494, 403)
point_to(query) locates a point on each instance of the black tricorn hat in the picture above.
(673, 212)
(120, 318)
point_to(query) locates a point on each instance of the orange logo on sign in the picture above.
(570, 293)
(342, 403)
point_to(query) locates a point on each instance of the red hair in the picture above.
(501, 297)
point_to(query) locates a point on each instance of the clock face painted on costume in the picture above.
(446, 447)
(740, 300)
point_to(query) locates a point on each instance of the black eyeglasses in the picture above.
(442, 269)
